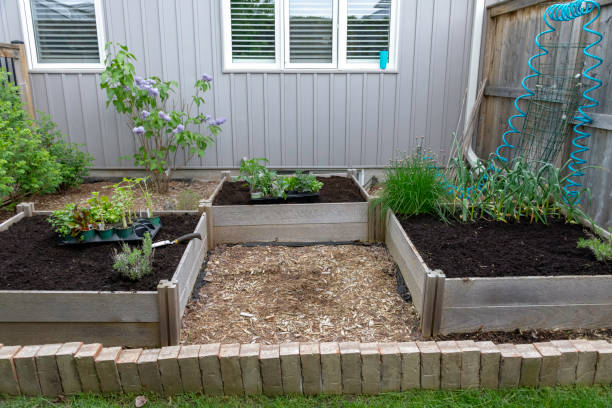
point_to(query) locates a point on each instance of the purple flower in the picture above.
(207, 78)
(163, 115)
(144, 114)
(217, 122)
(139, 81)
(149, 82)
(180, 127)
(138, 130)
(153, 92)
(207, 118)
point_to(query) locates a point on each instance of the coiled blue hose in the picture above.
(564, 12)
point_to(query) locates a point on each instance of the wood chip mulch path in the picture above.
(277, 294)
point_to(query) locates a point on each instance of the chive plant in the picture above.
(414, 186)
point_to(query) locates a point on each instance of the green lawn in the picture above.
(566, 397)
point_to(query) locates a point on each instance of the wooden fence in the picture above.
(510, 30)
(13, 60)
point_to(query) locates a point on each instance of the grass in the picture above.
(566, 397)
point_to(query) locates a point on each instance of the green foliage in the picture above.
(303, 183)
(267, 182)
(103, 210)
(187, 200)
(134, 263)
(74, 164)
(513, 191)
(34, 158)
(160, 133)
(601, 248)
(61, 220)
(414, 186)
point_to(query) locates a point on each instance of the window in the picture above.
(270, 35)
(63, 35)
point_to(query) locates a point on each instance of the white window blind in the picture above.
(368, 29)
(65, 31)
(311, 31)
(253, 30)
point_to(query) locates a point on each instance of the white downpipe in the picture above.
(479, 14)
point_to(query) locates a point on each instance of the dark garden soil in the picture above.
(494, 249)
(31, 259)
(5, 214)
(335, 190)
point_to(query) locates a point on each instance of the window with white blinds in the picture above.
(64, 33)
(368, 29)
(311, 31)
(309, 34)
(253, 30)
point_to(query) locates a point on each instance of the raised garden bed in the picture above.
(51, 293)
(339, 214)
(486, 277)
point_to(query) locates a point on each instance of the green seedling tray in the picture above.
(141, 227)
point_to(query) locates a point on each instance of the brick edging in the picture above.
(301, 368)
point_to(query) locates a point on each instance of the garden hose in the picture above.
(561, 13)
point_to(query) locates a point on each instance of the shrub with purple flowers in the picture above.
(161, 124)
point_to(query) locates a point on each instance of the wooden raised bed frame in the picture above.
(461, 305)
(315, 222)
(131, 319)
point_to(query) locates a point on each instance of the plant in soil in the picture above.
(103, 210)
(413, 186)
(266, 183)
(134, 263)
(601, 247)
(123, 197)
(303, 183)
(162, 124)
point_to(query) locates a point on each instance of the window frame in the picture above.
(35, 66)
(339, 61)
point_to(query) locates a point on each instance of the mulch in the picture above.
(166, 201)
(493, 249)
(335, 190)
(31, 259)
(5, 214)
(277, 294)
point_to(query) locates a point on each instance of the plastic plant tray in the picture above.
(141, 227)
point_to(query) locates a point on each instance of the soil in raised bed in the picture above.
(31, 259)
(335, 190)
(495, 249)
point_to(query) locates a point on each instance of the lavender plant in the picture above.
(162, 124)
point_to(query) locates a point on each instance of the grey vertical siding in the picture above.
(294, 119)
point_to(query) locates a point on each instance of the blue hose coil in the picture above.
(564, 12)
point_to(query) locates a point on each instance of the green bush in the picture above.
(33, 158)
(74, 163)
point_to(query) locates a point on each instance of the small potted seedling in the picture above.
(82, 224)
(254, 173)
(148, 198)
(100, 206)
(123, 198)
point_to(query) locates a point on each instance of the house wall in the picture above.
(294, 119)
